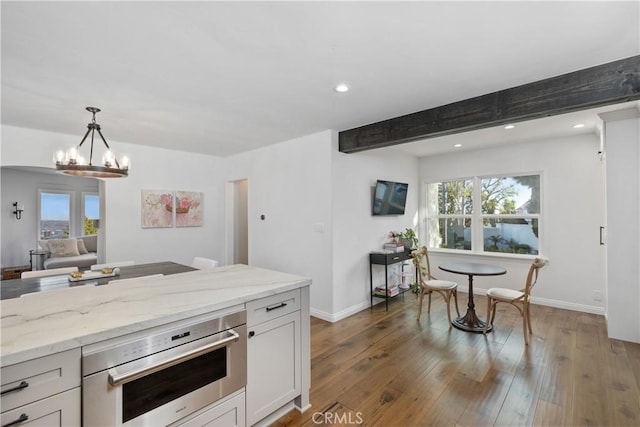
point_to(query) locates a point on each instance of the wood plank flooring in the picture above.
(380, 368)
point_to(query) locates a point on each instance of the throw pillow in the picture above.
(82, 249)
(63, 247)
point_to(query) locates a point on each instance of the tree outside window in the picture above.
(91, 214)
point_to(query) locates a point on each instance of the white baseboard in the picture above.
(476, 291)
(341, 314)
(547, 302)
(569, 306)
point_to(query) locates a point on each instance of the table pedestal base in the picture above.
(470, 322)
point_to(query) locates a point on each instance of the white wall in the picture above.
(19, 236)
(622, 141)
(317, 207)
(290, 184)
(356, 231)
(152, 168)
(572, 209)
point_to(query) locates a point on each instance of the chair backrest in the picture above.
(51, 272)
(98, 267)
(421, 260)
(532, 276)
(204, 263)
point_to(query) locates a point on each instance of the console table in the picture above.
(386, 259)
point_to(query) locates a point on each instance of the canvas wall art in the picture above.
(157, 209)
(189, 209)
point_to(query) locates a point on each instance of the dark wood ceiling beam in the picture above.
(606, 84)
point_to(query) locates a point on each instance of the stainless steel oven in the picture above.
(158, 377)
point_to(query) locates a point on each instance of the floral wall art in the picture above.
(154, 209)
(188, 209)
(163, 209)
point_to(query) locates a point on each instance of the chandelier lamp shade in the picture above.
(72, 162)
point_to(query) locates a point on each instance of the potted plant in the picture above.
(408, 238)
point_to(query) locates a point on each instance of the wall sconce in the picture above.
(18, 210)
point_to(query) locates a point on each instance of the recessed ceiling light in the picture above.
(578, 126)
(509, 126)
(457, 145)
(342, 87)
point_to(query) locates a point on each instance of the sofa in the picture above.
(78, 252)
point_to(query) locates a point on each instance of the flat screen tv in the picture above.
(389, 198)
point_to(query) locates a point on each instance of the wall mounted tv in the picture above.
(389, 198)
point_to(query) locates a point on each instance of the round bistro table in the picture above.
(470, 322)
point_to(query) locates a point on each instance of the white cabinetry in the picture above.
(229, 413)
(43, 391)
(622, 136)
(273, 354)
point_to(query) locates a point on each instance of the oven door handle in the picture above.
(116, 379)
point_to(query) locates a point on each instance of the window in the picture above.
(55, 215)
(450, 208)
(485, 214)
(91, 217)
(510, 213)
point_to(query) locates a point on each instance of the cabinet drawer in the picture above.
(272, 307)
(36, 379)
(230, 413)
(60, 410)
(389, 259)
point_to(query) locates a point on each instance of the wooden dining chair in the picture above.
(519, 299)
(429, 284)
(50, 272)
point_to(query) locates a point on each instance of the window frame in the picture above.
(463, 216)
(83, 212)
(478, 217)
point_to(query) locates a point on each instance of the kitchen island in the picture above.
(50, 323)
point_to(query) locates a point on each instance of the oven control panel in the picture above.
(108, 354)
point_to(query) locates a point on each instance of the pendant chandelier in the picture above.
(72, 163)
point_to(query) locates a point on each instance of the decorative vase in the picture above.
(406, 243)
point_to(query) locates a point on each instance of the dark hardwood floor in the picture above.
(380, 368)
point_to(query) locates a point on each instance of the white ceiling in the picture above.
(226, 77)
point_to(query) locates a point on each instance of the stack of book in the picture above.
(392, 291)
(393, 246)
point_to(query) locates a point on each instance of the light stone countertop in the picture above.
(49, 322)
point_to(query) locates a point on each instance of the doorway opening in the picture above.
(237, 228)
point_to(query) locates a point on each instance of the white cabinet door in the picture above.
(273, 365)
(61, 410)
